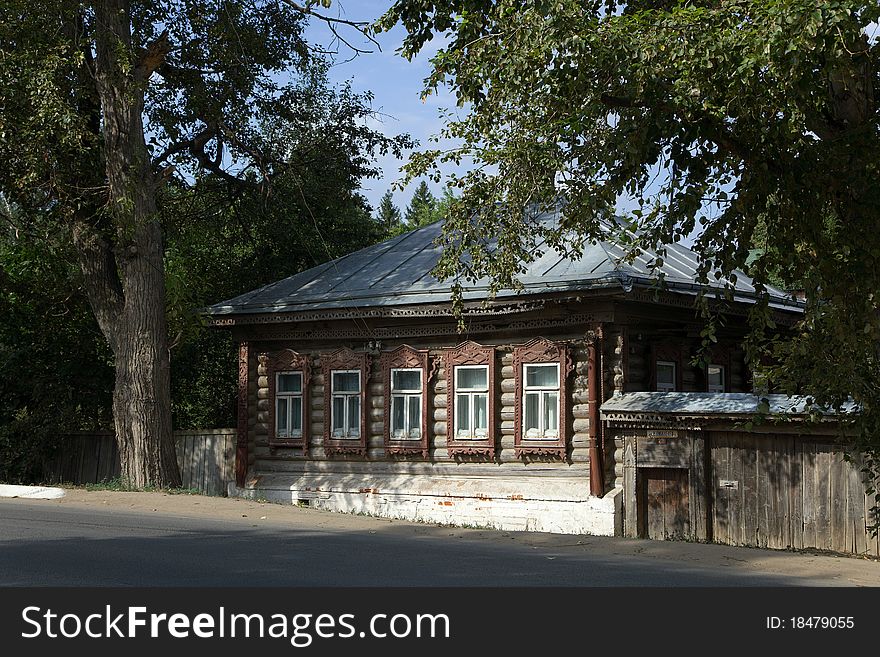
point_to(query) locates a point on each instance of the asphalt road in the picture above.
(152, 539)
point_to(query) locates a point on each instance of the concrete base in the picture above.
(32, 492)
(543, 504)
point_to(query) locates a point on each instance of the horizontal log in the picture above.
(507, 372)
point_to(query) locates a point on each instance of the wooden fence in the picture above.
(205, 458)
(789, 491)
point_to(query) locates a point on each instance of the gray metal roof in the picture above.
(397, 272)
(710, 404)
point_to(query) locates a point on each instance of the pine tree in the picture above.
(420, 211)
(388, 214)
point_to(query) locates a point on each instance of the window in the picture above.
(406, 381)
(346, 403)
(541, 401)
(470, 400)
(471, 385)
(541, 369)
(288, 377)
(666, 376)
(345, 374)
(288, 405)
(406, 404)
(715, 378)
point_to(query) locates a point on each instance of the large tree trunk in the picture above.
(123, 265)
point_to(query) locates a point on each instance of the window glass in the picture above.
(354, 415)
(542, 376)
(346, 382)
(338, 415)
(481, 414)
(398, 414)
(715, 375)
(281, 415)
(289, 382)
(296, 414)
(462, 419)
(415, 415)
(406, 380)
(665, 375)
(531, 412)
(471, 378)
(551, 411)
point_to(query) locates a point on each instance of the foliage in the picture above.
(55, 367)
(114, 115)
(420, 211)
(712, 118)
(388, 214)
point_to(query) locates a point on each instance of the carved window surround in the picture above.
(469, 353)
(347, 360)
(542, 351)
(405, 357)
(288, 360)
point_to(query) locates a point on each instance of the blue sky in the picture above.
(395, 83)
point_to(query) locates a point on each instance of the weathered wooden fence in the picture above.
(205, 458)
(690, 467)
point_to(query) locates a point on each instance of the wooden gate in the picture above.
(663, 503)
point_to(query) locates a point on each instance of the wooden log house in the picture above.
(358, 393)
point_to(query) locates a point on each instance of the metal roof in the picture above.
(397, 272)
(712, 404)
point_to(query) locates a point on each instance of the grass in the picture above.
(120, 484)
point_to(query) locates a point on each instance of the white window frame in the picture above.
(470, 433)
(346, 420)
(715, 387)
(406, 395)
(666, 387)
(543, 433)
(289, 432)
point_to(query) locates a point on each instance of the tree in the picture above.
(388, 214)
(420, 211)
(710, 118)
(102, 103)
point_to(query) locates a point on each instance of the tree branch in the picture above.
(360, 26)
(152, 57)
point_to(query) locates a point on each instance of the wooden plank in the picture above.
(796, 493)
(720, 496)
(856, 511)
(823, 496)
(186, 474)
(698, 495)
(839, 486)
(210, 476)
(808, 465)
(735, 500)
(751, 495)
(88, 471)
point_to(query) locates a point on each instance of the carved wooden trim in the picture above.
(405, 357)
(345, 359)
(537, 351)
(288, 360)
(469, 353)
(241, 440)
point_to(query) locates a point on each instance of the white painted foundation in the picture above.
(542, 504)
